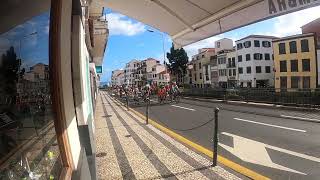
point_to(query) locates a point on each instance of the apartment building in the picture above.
(232, 76)
(255, 62)
(117, 76)
(295, 59)
(144, 68)
(198, 71)
(314, 27)
(223, 47)
(158, 75)
(130, 70)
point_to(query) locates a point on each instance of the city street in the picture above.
(261, 139)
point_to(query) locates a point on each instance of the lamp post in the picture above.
(162, 34)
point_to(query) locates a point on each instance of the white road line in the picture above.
(183, 108)
(303, 118)
(271, 125)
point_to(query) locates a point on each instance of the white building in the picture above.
(144, 68)
(255, 61)
(232, 75)
(158, 75)
(117, 77)
(130, 70)
(223, 47)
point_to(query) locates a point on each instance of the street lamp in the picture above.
(162, 34)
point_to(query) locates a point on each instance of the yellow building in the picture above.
(295, 62)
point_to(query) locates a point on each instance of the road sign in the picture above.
(99, 69)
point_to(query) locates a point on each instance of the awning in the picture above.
(188, 21)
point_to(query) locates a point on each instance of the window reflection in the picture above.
(28, 143)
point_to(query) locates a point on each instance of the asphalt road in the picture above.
(260, 139)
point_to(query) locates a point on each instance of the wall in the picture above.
(300, 55)
(253, 63)
(318, 64)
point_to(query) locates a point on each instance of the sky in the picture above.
(129, 39)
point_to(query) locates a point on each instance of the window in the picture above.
(247, 44)
(195, 77)
(306, 82)
(240, 70)
(199, 65)
(195, 67)
(258, 69)
(28, 140)
(266, 56)
(239, 46)
(266, 44)
(234, 72)
(283, 82)
(200, 75)
(268, 69)
(293, 46)
(202, 56)
(240, 58)
(257, 56)
(256, 43)
(233, 64)
(218, 44)
(306, 65)
(304, 45)
(230, 72)
(294, 65)
(211, 57)
(283, 66)
(248, 70)
(295, 82)
(248, 57)
(229, 62)
(282, 48)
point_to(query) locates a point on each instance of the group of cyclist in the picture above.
(164, 92)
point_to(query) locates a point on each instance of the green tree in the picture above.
(9, 72)
(178, 60)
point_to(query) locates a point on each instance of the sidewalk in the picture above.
(129, 149)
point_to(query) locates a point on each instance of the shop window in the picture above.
(283, 82)
(295, 82)
(28, 141)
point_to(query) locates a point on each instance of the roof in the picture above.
(314, 22)
(294, 37)
(257, 36)
(189, 21)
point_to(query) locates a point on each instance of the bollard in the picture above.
(215, 138)
(147, 111)
(127, 101)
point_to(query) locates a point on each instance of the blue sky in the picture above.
(130, 39)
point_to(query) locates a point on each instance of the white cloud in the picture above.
(290, 24)
(120, 25)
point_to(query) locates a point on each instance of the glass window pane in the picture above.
(27, 133)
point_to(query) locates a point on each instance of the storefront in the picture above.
(46, 125)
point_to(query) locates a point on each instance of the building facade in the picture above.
(232, 75)
(295, 59)
(130, 71)
(255, 64)
(198, 70)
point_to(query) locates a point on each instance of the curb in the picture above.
(271, 106)
(226, 162)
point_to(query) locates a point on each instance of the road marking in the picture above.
(255, 152)
(303, 118)
(183, 108)
(153, 100)
(271, 125)
(241, 169)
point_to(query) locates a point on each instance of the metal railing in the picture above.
(298, 97)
